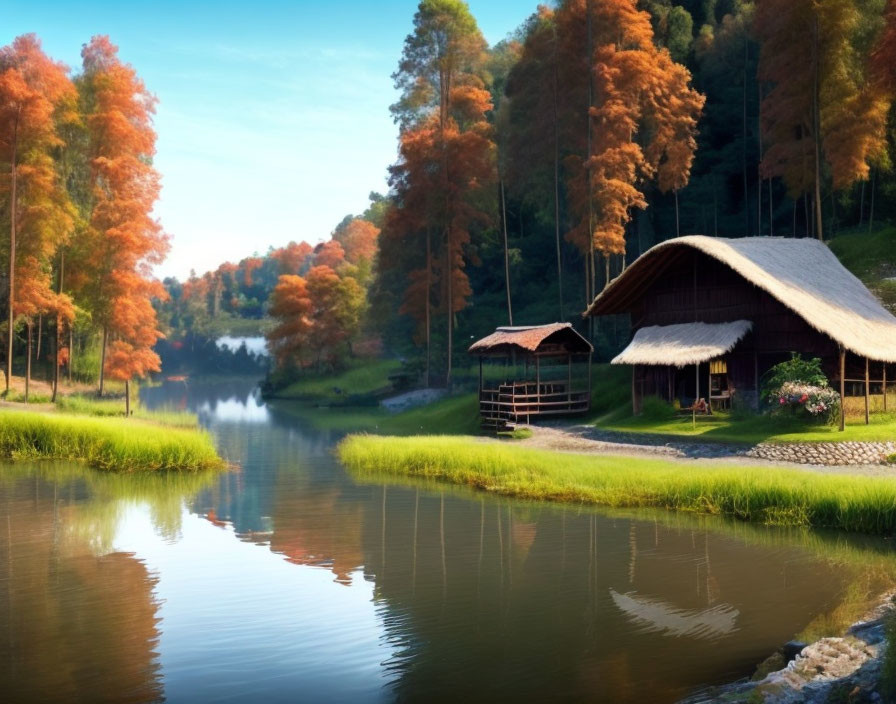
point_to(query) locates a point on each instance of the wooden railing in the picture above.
(520, 401)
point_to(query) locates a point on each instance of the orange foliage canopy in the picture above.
(329, 254)
(290, 306)
(358, 240)
(844, 116)
(643, 119)
(122, 239)
(36, 95)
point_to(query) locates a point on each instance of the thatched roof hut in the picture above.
(747, 303)
(522, 394)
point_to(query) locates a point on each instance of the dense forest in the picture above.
(528, 174)
(77, 189)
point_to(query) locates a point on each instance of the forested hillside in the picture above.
(531, 172)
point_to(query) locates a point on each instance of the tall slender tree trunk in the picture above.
(428, 305)
(862, 204)
(816, 118)
(677, 224)
(449, 255)
(28, 327)
(58, 332)
(10, 329)
(871, 206)
(103, 360)
(557, 185)
(590, 59)
(506, 254)
(71, 352)
(744, 143)
(127, 398)
(40, 333)
(759, 162)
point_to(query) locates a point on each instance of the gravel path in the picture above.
(586, 439)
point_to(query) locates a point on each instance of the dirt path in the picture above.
(586, 439)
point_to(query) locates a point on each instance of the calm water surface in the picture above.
(288, 580)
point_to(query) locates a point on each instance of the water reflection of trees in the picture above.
(79, 621)
(488, 598)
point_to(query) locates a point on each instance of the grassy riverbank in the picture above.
(121, 444)
(766, 495)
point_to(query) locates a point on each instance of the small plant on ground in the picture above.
(800, 386)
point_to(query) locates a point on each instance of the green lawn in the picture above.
(364, 378)
(722, 427)
(761, 494)
(450, 416)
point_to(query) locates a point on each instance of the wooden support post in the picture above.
(480, 379)
(867, 392)
(756, 378)
(538, 384)
(634, 390)
(569, 381)
(697, 395)
(842, 389)
(885, 387)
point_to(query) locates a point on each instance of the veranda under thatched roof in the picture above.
(802, 274)
(681, 345)
(560, 338)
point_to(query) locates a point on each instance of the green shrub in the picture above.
(891, 459)
(795, 370)
(653, 408)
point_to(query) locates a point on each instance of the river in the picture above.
(287, 580)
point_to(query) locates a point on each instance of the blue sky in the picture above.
(273, 117)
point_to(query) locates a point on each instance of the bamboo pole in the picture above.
(885, 387)
(842, 389)
(867, 393)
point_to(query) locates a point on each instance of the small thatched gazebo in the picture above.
(711, 315)
(544, 387)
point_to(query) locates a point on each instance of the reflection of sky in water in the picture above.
(234, 410)
(255, 345)
(272, 629)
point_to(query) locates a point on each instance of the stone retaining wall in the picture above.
(824, 453)
(829, 454)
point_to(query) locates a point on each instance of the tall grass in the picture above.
(105, 443)
(766, 495)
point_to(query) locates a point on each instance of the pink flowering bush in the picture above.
(818, 401)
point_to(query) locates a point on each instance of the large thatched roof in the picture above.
(552, 338)
(803, 274)
(680, 345)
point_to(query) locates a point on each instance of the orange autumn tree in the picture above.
(883, 57)
(358, 240)
(291, 259)
(446, 142)
(336, 307)
(642, 121)
(290, 306)
(123, 239)
(35, 96)
(330, 254)
(130, 353)
(821, 117)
